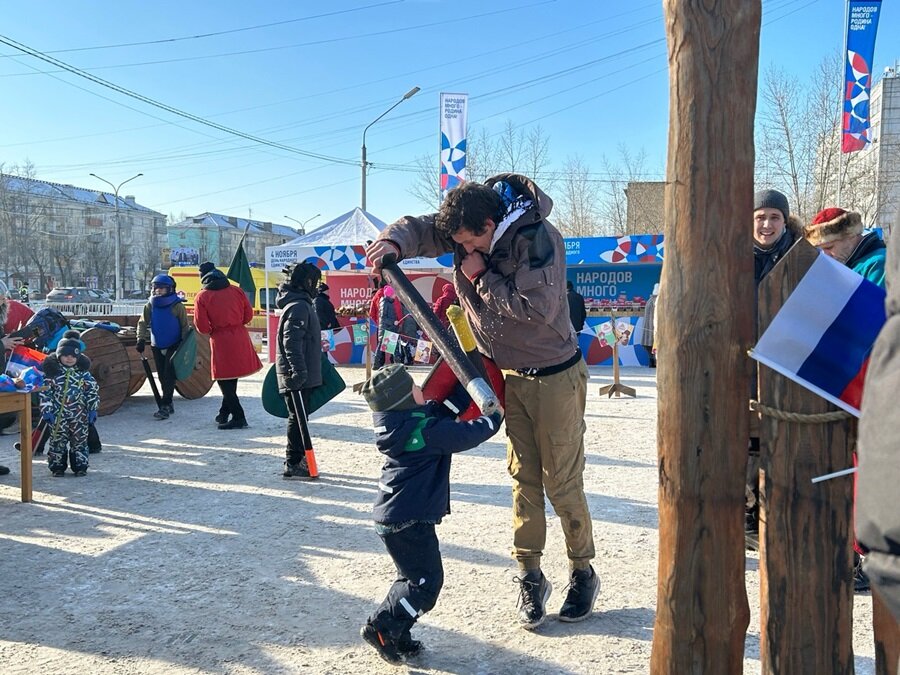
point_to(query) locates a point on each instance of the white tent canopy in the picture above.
(331, 246)
(355, 227)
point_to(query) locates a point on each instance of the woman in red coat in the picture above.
(222, 311)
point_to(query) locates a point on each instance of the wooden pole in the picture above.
(805, 531)
(705, 329)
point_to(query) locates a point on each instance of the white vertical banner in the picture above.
(454, 114)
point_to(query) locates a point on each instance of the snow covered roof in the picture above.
(61, 191)
(233, 222)
(353, 228)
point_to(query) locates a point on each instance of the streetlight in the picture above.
(407, 95)
(303, 223)
(116, 189)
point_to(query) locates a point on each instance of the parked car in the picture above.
(67, 296)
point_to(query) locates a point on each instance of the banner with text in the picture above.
(862, 25)
(454, 112)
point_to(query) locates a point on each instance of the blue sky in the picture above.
(312, 76)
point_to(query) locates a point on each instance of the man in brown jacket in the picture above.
(509, 270)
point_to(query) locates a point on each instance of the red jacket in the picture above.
(18, 314)
(223, 313)
(440, 306)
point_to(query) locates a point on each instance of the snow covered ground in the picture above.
(184, 551)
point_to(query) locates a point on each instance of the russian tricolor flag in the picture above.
(823, 334)
(23, 357)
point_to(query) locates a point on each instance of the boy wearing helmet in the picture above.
(164, 323)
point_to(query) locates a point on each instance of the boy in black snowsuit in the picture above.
(69, 403)
(417, 439)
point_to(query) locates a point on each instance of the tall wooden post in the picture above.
(805, 569)
(706, 324)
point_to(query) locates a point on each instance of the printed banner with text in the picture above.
(454, 112)
(862, 25)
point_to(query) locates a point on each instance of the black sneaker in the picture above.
(298, 471)
(221, 418)
(860, 578)
(4, 470)
(534, 591)
(406, 646)
(59, 473)
(584, 586)
(170, 409)
(81, 472)
(385, 646)
(161, 414)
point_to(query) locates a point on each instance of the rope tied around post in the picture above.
(799, 418)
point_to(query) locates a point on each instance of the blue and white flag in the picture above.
(862, 25)
(822, 336)
(454, 115)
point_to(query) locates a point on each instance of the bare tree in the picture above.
(148, 261)
(798, 148)
(99, 254)
(23, 218)
(575, 209)
(65, 253)
(613, 201)
(513, 150)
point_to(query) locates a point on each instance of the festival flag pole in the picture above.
(239, 270)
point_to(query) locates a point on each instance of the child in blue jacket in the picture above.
(417, 439)
(164, 323)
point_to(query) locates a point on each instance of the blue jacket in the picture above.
(868, 259)
(417, 444)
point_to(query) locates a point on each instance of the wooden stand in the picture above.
(616, 387)
(21, 403)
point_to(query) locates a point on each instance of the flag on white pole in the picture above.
(454, 115)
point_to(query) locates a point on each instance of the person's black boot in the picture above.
(751, 529)
(222, 417)
(385, 646)
(534, 591)
(297, 471)
(406, 646)
(584, 586)
(861, 582)
(234, 423)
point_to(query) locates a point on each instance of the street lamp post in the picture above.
(303, 223)
(116, 189)
(412, 92)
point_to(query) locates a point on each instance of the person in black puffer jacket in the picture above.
(298, 359)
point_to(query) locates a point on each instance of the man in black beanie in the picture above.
(206, 268)
(774, 232)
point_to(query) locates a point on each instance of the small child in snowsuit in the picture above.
(69, 404)
(417, 439)
(164, 323)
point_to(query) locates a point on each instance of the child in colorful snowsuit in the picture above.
(417, 439)
(69, 404)
(164, 323)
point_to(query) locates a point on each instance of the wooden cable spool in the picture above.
(109, 366)
(138, 376)
(200, 381)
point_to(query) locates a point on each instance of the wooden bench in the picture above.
(21, 403)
